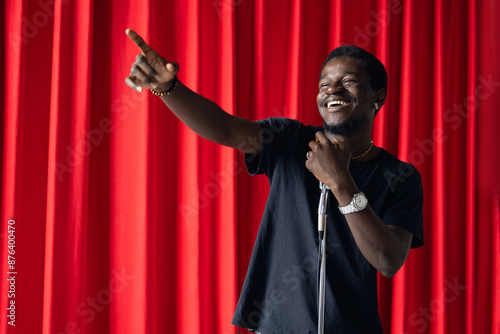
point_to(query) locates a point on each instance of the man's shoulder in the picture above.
(392, 162)
(286, 126)
(397, 172)
(280, 122)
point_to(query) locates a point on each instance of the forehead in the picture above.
(344, 65)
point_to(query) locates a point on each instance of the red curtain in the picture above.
(118, 219)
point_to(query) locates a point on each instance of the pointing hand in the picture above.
(150, 70)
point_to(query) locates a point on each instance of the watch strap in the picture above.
(358, 203)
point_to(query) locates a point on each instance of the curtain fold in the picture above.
(471, 192)
(122, 220)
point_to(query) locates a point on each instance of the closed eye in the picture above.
(324, 85)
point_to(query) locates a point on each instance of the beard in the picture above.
(347, 128)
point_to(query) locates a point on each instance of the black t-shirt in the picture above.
(279, 294)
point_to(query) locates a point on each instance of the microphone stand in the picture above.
(323, 202)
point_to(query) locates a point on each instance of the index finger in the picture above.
(340, 145)
(138, 40)
(321, 138)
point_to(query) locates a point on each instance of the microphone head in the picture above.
(323, 199)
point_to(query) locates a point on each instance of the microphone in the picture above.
(323, 203)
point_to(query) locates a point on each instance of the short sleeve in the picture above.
(274, 132)
(406, 205)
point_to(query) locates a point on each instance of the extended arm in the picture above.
(203, 116)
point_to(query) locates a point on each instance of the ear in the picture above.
(379, 99)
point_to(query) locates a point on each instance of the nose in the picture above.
(334, 88)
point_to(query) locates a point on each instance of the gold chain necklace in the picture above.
(365, 152)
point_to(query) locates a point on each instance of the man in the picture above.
(374, 215)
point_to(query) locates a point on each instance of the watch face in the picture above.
(360, 201)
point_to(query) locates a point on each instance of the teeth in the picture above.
(336, 103)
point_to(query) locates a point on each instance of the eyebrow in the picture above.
(344, 73)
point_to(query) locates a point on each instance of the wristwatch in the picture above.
(358, 203)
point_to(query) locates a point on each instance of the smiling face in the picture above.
(346, 98)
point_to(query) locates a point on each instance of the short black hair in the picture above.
(373, 66)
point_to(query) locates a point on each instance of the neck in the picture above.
(357, 144)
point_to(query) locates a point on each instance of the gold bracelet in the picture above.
(169, 91)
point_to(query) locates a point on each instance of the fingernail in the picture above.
(154, 84)
(138, 88)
